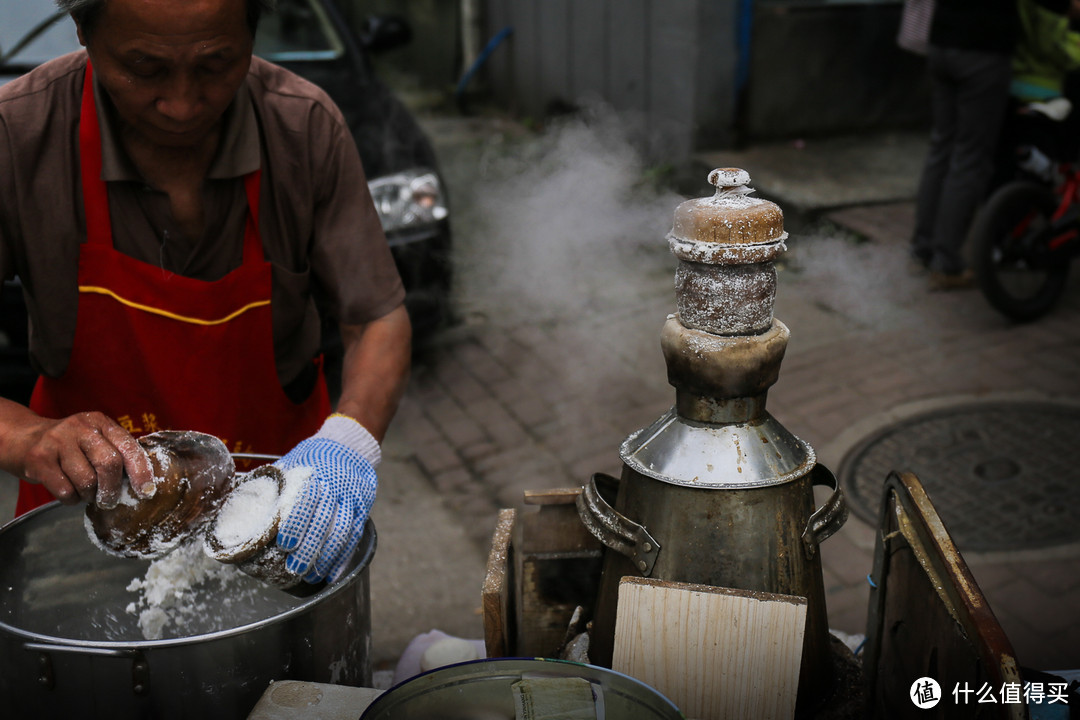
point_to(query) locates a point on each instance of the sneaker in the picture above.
(945, 282)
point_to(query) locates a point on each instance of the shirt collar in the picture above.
(237, 154)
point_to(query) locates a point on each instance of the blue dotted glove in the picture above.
(324, 527)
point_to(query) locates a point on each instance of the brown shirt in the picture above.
(319, 228)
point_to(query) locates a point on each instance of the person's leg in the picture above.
(982, 93)
(938, 155)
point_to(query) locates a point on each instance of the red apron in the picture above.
(157, 351)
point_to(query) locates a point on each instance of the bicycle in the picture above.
(1023, 241)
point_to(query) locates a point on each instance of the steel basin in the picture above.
(483, 689)
(69, 648)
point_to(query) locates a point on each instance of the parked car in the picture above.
(311, 38)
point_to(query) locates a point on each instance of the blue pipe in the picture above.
(482, 58)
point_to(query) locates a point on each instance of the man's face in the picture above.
(171, 67)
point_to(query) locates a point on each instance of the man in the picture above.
(173, 207)
(971, 42)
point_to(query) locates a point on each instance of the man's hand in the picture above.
(81, 458)
(324, 527)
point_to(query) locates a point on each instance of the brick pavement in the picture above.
(501, 404)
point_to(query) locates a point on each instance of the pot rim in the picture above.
(365, 551)
(490, 669)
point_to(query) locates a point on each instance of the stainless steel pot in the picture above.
(484, 689)
(69, 648)
(762, 538)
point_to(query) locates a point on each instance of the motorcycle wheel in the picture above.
(1015, 269)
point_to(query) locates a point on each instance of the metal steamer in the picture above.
(70, 648)
(716, 491)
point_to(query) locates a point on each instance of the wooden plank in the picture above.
(495, 597)
(928, 616)
(714, 652)
(555, 528)
(554, 496)
(557, 566)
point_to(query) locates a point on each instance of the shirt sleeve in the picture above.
(350, 259)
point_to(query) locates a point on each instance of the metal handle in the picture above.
(140, 669)
(78, 650)
(615, 530)
(828, 518)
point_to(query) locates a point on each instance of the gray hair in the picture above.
(86, 12)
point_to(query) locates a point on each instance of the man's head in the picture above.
(85, 12)
(171, 67)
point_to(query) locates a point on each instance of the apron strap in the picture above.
(253, 250)
(95, 195)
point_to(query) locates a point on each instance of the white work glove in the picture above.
(324, 527)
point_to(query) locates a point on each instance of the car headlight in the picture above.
(409, 199)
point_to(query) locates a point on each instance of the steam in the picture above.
(559, 225)
(868, 284)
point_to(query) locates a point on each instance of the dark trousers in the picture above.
(970, 90)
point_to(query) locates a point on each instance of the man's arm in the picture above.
(375, 370)
(322, 530)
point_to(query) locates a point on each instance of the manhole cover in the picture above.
(1002, 475)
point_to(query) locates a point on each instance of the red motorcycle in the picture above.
(1024, 239)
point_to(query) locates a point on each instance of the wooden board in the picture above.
(495, 597)
(557, 564)
(928, 616)
(714, 652)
